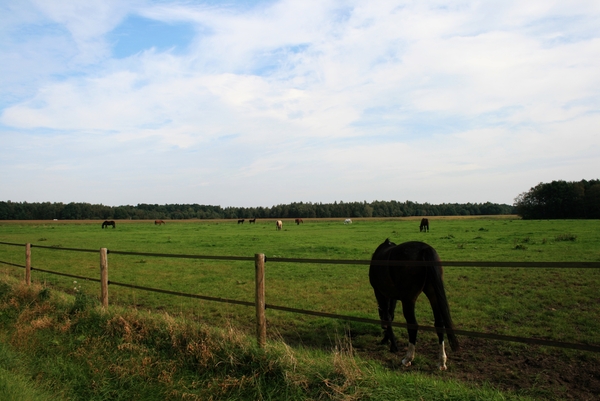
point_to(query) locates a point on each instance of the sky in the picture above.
(258, 103)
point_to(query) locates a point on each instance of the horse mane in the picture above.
(385, 246)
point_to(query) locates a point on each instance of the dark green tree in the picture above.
(560, 200)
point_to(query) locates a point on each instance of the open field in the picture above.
(557, 304)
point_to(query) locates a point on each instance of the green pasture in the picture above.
(557, 304)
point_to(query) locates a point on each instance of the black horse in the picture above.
(424, 225)
(108, 223)
(393, 280)
(241, 221)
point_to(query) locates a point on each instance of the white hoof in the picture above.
(410, 355)
(442, 357)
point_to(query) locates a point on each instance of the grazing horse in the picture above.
(251, 221)
(241, 221)
(159, 222)
(278, 225)
(298, 221)
(108, 223)
(424, 225)
(347, 221)
(397, 281)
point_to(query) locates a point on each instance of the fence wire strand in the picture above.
(492, 336)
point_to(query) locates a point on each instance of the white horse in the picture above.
(347, 221)
(278, 224)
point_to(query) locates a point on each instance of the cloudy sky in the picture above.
(257, 103)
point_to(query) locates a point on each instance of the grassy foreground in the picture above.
(62, 347)
(555, 304)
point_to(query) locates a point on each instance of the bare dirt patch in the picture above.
(539, 372)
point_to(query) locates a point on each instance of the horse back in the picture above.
(401, 281)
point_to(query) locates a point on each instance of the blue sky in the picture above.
(136, 34)
(268, 102)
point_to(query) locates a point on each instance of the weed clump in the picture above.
(565, 237)
(520, 244)
(83, 302)
(5, 290)
(44, 294)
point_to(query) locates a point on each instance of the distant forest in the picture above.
(561, 200)
(85, 211)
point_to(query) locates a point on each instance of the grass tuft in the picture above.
(565, 237)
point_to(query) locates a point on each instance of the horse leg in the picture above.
(440, 332)
(408, 309)
(389, 331)
(439, 325)
(386, 308)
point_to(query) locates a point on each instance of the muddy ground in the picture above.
(541, 372)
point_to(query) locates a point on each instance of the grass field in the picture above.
(557, 304)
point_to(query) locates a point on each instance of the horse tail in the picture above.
(434, 275)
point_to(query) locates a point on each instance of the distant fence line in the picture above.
(562, 265)
(261, 305)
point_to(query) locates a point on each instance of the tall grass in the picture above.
(121, 354)
(15, 387)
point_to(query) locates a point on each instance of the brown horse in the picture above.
(251, 221)
(158, 222)
(241, 221)
(424, 225)
(278, 225)
(298, 221)
(404, 282)
(108, 223)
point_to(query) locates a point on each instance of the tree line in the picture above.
(560, 200)
(85, 211)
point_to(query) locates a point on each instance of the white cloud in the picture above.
(87, 22)
(441, 102)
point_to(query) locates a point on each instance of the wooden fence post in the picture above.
(28, 263)
(104, 277)
(261, 321)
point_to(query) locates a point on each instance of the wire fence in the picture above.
(266, 306)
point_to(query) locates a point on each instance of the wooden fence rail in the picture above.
(261, 305)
